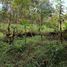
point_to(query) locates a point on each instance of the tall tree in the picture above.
(45, 10)
(60, 15)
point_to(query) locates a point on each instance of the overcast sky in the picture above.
(0, 5)
(64, 3)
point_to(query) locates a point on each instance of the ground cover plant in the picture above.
(33, 33)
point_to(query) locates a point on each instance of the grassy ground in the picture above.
(36, 52)
(29, 27)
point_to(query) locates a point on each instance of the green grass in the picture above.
(34, 52)
(1, 34)
(29, 27)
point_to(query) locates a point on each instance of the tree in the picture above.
(60, 14)
(45, 10)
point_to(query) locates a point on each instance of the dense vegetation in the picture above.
(33, 33)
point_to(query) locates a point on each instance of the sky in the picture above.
(64, 3)
(0, 6)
